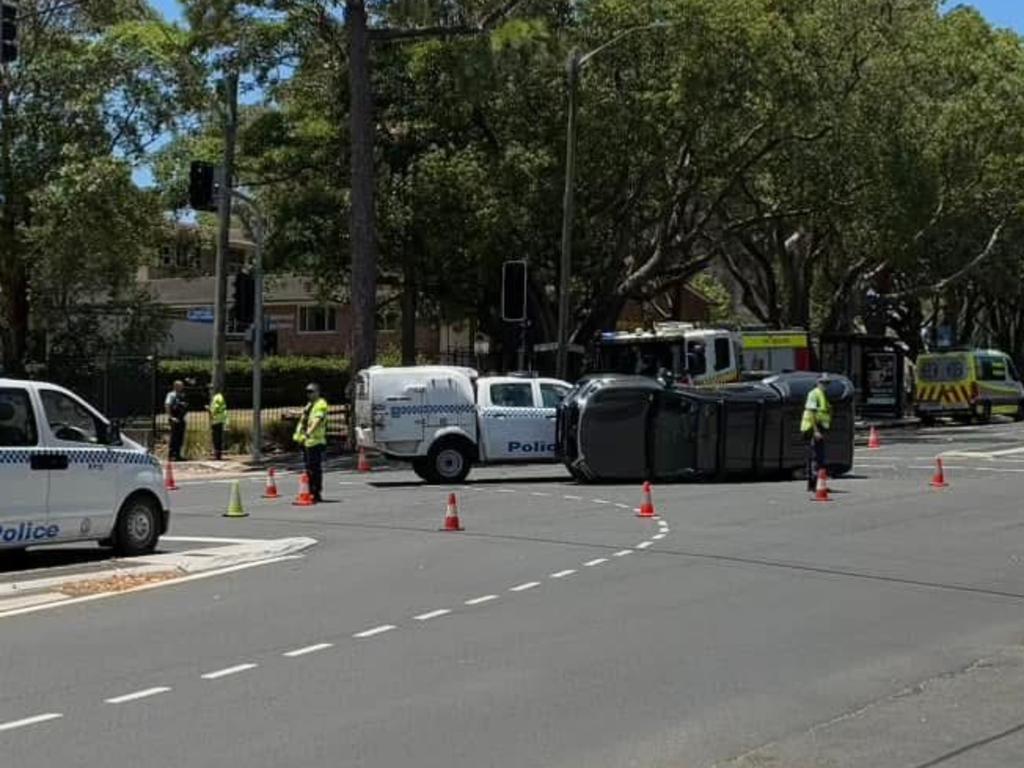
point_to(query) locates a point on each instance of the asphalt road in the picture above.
(557, 630)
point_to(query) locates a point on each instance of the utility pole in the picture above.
(258, 225)
(220, 298)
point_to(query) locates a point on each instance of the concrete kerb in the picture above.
(29, 591)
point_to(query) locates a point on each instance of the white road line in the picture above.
(375, 631)
(658, 536)
(620, 505)
(432, 614)
(145, 694)
(539, 493)
(524, 587)
(563, 574)
(596, 561)
(308, 649)
(573, 498)
(228, 671)
(506, 490)
(30, 721)
(481, 600)
(623, 553)
(644, 544)
(600, 501)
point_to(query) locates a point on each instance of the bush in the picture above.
(279, 433)
(284, 380)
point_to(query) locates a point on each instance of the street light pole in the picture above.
(568, 214)
(574, 66)
(259, 228)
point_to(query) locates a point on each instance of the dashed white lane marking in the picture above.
(432, 614)
(643, 545)
(524, 587)
(573, 498)
(481, 600)
(145, 694)
(539, 494)
(217, 674)
(506, 490)
(658, 536)
(600, 501)
(563, 574)
(623, 553)
(596, 561)
(308, 649)
(375, 631)
(620, 505)
(34, 720)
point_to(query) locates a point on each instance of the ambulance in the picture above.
(692, 355)
(446, 419)
(68, 474)
(968, 384)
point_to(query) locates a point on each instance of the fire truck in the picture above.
(693, 355)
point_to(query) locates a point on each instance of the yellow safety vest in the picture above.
(312, 412)
(817, 411)
(218, 410)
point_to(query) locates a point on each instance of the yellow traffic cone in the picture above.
(235, 508)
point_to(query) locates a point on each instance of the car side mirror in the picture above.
(113, 435)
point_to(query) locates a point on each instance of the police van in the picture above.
(68, 474)
(445, 419)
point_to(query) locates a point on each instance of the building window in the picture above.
(388, 321)
(318, 319)
(167, 256)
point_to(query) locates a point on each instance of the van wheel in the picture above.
(448, 461)
(1019, 413)
(138, 527)
(984, 415)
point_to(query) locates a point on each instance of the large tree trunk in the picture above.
(220, 296)
(13, 272)
(362, 233)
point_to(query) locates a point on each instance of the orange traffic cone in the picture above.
(364, 463)
(939, 478)
(271, 490)
(305, 498)
(169, 483)
(451, 515)
(874, 441)
(821, 491)
(647, 505)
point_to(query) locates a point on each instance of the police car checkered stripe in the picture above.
(416, 410)
(78, 456)
(519, 413)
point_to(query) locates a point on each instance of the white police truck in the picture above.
(68, 474)
(445, 419)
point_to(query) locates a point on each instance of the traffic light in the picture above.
(245, 298)
(8, 32)
(513, 291)
(202, 186)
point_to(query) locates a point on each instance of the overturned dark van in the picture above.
(634, 428)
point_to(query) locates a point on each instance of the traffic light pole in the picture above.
(259, 229)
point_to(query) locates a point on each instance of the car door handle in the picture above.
(46, 461)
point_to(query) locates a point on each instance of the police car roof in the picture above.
(424, 370)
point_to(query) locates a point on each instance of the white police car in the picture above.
(445, 419)
(67, 474)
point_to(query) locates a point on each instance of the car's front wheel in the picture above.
(138, 526)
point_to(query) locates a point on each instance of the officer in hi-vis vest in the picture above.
(816, 421)
(311, 434)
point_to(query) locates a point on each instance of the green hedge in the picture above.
(284, 380)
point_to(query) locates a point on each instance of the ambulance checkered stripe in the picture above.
(520, 413)
(78, 456)
(416, 410)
